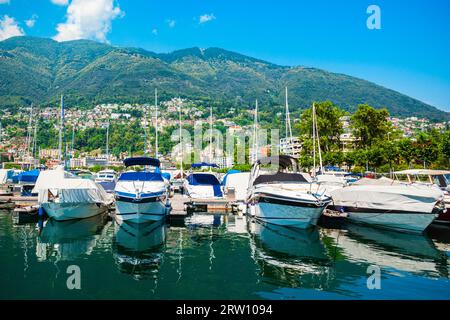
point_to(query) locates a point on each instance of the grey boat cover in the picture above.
(388, 195)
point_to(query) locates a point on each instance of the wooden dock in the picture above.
(182, 206)
(19, 200)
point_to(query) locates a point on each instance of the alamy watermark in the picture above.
(74, 280)
(374, 279)
(374, 20)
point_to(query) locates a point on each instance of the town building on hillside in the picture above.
(49, 153)
(291, 147)
(347, 141)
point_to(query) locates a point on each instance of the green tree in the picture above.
(426, 149)
(370, 125)
(328, 123)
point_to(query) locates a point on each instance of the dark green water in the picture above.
(217, 257)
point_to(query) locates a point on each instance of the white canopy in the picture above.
(427, 172)
(239, 182)
(68, 188)
(388, 195)
(4, 175)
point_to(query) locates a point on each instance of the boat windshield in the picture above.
(202, 179)
(141, 176)
(280, 177)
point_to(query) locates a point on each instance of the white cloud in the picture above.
(4, 1)
(60, 2)
(88, 19)
(155, 31)
(32, 21)
(206, 17)
(171, 23)
(9, 28)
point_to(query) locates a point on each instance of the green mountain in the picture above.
(39, 70)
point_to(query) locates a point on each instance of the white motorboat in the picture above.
(64, 196)
(141, 196)
(439, 178)
(281, 198)
(236, 186)
(107, 179)
(390, 204)
(202, 185)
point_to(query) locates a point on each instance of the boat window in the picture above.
(440, 181)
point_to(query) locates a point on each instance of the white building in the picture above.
(291, 147)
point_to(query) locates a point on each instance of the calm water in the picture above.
(218, 257)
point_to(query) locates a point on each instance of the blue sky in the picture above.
(409, 54)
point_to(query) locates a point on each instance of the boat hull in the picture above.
(296, 216)
(407, 222)
(70, 211)
(141, 212)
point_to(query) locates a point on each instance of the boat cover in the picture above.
(388, 195)
(204, 164)
(68, 188)
(283, 161)
(205, 179)
(165, 175)
(4, 175)
(281, 177)
(140, 176)
(239, 182)
(141, 161)
(224, 179)
(29, 176)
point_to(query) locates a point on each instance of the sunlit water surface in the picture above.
(218, 257)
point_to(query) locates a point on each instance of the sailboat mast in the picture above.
(318, 146)
(35, 140)
(210, 136)
(255, 134)
(72, 142)
(61, 126)
(107, 143)
(30, 127)
(181, 145)
(314, 137)
(156, 123)
(288, 117)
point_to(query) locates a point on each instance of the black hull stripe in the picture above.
(144, 214)
(281, 218)
(370, 210)
(289, 202)
(145, 200)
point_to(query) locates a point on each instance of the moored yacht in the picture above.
(439, 178)
(64, 196)
(107, 179)
(202, 185)
(281, 198)
(141, 196)
(390, 204)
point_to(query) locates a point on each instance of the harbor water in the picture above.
(219, 257)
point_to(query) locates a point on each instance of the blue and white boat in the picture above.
(27, 180)
(141, 196)
(203, 185)
(285, 197)
(107, 179)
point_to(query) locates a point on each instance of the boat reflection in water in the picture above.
(138, 248)
(296, 257)
(398, 251)
(68, 240)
